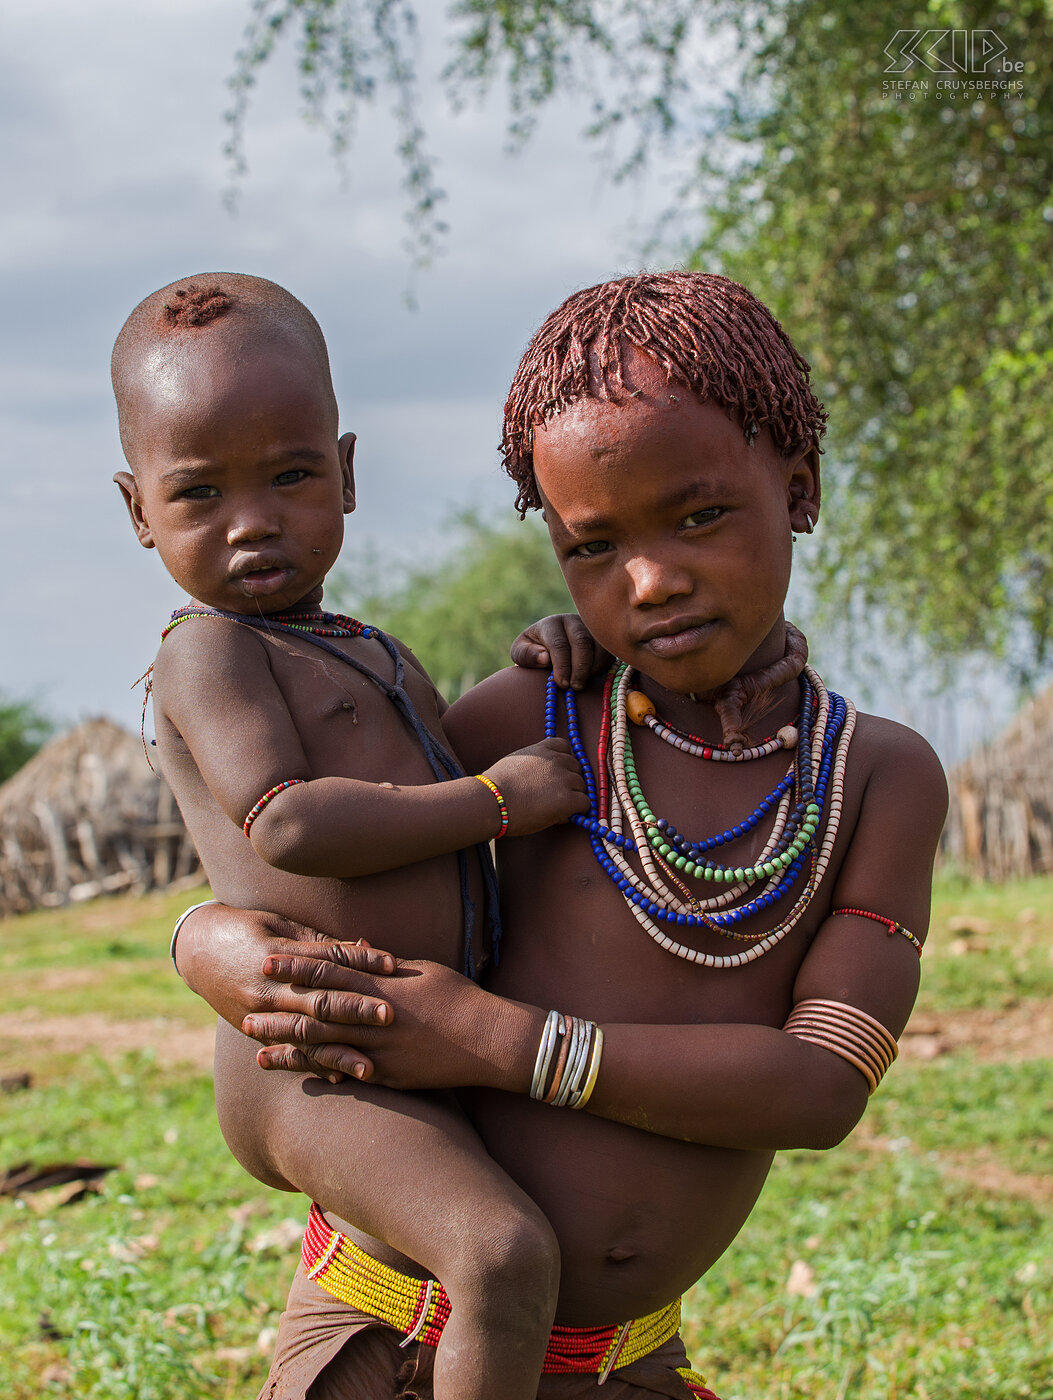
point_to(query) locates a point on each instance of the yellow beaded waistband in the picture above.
(420, 1307)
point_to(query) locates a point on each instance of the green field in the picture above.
(916, 1260)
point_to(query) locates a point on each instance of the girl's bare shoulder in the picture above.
(503, 713)
(891, 757)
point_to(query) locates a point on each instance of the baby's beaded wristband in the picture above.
(502, 806)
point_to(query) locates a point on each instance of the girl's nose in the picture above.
(654, 580)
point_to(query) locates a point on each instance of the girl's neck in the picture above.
(769, 695)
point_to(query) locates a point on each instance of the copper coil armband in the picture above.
(846, 1031)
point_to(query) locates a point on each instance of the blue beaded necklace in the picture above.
(800, 799)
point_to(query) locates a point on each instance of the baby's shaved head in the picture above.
(213, 310)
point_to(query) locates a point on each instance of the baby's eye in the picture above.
(590, 550)
(703, 517)
(290, 478)
(198, 493)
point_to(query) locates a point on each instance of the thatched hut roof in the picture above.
(86, 816)
(1001, 818)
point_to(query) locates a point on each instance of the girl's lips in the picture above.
(677, 643)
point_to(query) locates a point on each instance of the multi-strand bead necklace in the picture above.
(621, 821)
(315, 624)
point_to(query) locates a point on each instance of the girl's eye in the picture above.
(590, 550)
(289, 478)
(198, 493)
(703, 517)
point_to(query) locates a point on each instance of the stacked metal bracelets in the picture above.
(846, 1031)
(568, 1061)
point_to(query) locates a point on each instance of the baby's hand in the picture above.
(563, 645)
(541, 785)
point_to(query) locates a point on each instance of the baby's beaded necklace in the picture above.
(316, 624)
(820, 753)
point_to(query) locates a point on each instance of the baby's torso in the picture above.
(348, 727)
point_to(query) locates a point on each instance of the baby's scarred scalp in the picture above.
(226, 315)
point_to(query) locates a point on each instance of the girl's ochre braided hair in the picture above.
(705, 331)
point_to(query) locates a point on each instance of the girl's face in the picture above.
(239, 480)
(673, 534)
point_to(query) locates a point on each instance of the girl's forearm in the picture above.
(740, 1086)
(752, 1087)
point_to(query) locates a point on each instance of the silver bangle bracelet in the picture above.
(545, 1052)
(179, 924)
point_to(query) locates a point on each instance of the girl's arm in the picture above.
(730, 1085)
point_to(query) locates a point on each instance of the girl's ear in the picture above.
(129, 489)
(804, 491)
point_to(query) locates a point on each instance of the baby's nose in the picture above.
(249, 526)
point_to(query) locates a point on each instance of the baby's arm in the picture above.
(214, 684)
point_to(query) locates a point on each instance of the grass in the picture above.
(915, 1261)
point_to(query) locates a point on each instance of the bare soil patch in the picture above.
(979, 1168)
(1020, 1032)
(982, 1171)
(60, 979)
(175, 1042)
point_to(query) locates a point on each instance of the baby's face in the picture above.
(673, 534)
(239, 482)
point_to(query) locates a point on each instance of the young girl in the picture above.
(736, 922)
(307, 755)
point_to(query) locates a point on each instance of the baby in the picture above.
(307, 755)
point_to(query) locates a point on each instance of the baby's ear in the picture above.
(346, 448)
(129, 489)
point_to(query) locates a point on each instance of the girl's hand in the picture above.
(562, 644)
(221, 953)
(426, 1027)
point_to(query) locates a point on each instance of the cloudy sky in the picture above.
(113, 182)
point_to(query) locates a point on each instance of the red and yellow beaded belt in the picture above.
(420, 1309)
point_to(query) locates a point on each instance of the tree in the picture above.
(348, 51)
(460, 615)
(903, 241)
(22, 731)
